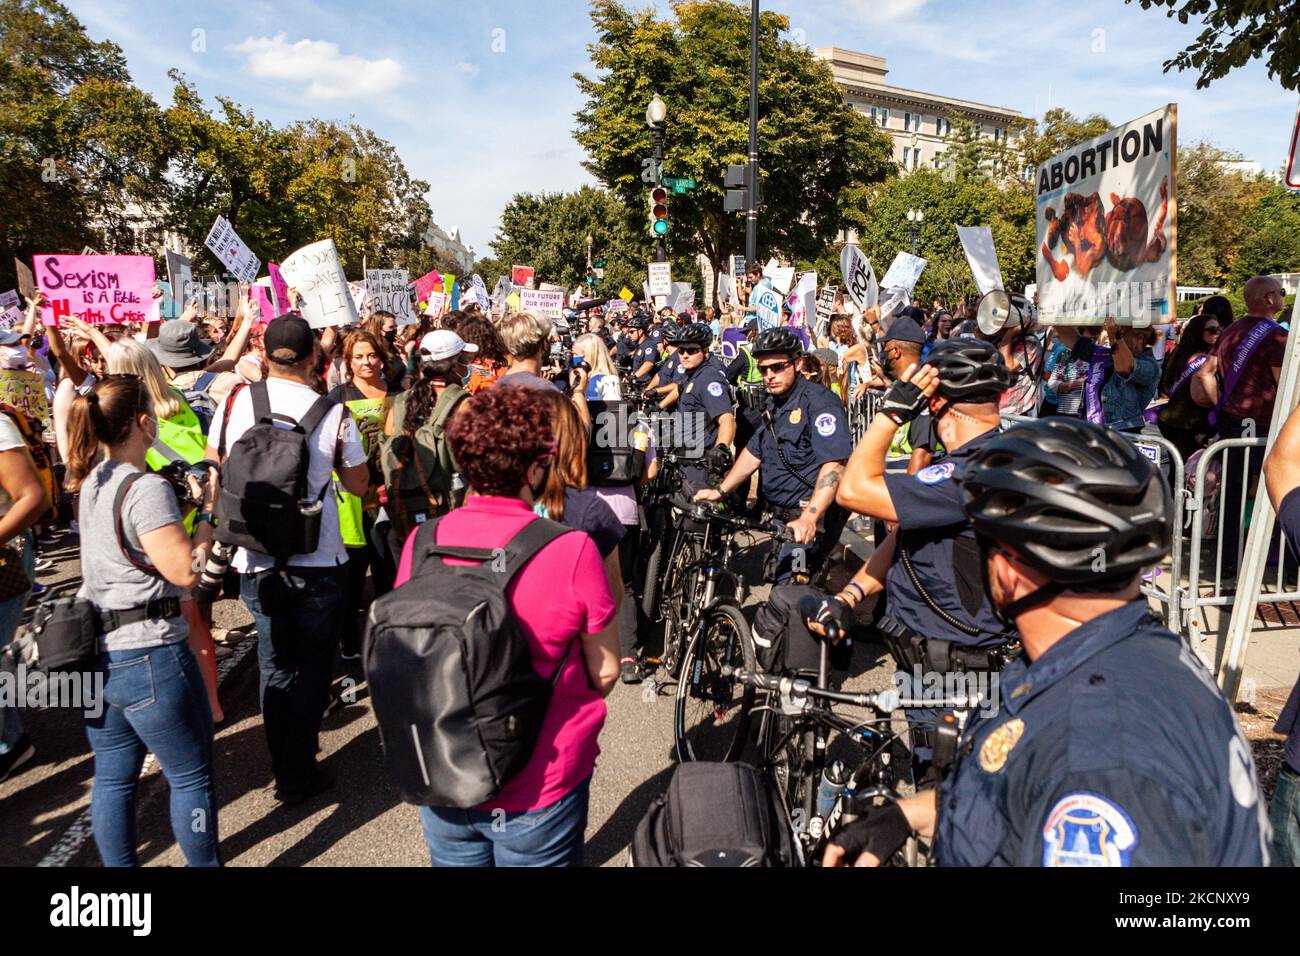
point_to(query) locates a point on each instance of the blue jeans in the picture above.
(155, 702)
(1284, 814)
(11, 613)
(299, 617)
(549, 836)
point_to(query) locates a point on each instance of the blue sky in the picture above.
(478, 97)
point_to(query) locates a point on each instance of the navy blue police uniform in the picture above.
(1113, 748)
(704, 398)
(647, 351)
(809, 428)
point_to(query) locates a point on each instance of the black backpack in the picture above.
(612, 454)
(715, 815)
(451, 678)
(265, 503)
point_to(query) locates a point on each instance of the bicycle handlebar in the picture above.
(706, 511)
(885, 701)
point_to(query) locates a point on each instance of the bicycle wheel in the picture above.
(712, 711)
(680, 602)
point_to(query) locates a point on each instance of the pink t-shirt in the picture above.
(561, 594)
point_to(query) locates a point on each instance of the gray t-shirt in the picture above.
(109, 580)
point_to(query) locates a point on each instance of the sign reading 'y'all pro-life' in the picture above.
(389, 293)
(231, 250)
(323, 294)
(100, 290)
(1107, 225)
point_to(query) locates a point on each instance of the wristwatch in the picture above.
(205, 516)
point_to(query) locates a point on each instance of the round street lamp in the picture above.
(656, 112)
(914, 219)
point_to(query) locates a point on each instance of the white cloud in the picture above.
(887, 9)
(469, 69)
(327, 73)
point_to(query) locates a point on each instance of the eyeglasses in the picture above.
(775, 368)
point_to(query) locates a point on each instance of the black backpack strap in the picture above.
(226, 408)
(118, 501)
(529, 540)
(261, 401)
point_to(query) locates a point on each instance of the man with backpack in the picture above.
(278, 442)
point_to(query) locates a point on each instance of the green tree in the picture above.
(1236, 32)
(548, 231)
(1039, 140)
(83, 153)
(1271, 242)
(1215, 204)
(816, 154)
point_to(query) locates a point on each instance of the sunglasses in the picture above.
(775, 368)
(689, 350)
(1212, 330)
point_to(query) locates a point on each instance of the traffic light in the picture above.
(659, 211)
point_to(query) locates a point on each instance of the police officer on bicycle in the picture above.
(799, 450)
(645, 352)
(1110, 744)
(705, 419)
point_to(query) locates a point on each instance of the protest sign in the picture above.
(512, 302)
(500, 292)
(767, 305)
(434, 304)
(478, 292)
(904, 272)
(803, 299)
(10, 300)
(737, 266)
(616, 306)
(661, 278)
(522, 275)
(548, 303)
(977, 241)
(11, 318)
(388, 293)
(279, 290)
(427, 284)
(24, 391)
(360, 296)
(231, 251)
(727, 289)
(324, 299)
(682, 297)
(825, 307)
(260, 292)
(782, 276)
(97, 289)
(859, 278)
(625, 294)
(1107, 217)
(26, 281)
(180, 278)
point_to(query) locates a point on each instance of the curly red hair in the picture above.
(498, 434)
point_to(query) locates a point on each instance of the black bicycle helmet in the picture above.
(970, 372)
(1074, 500)
(693, 333)
(638, 321)
(778, 341)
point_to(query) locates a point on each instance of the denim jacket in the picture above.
(1124, 399)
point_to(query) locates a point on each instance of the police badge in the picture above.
(999, 744)
(796, 416)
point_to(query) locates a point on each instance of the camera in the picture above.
(178, 473)
(213, 574)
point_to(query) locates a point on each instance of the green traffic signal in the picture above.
(660, 227)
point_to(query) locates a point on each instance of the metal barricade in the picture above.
(1211, 484)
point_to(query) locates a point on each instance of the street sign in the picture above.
(661, 278)
(679, 184)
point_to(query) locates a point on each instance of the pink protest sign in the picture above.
(279, 292)
(101, 290)
(426, 284)
(262, 296)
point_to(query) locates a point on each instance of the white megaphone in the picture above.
(999, 309)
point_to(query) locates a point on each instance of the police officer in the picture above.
(645, 351)
(705, 419)
(742, 372)
(799, 451)
(1111, 744)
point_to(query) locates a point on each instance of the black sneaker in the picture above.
(321, 780)
(21, 752)
(629, 671)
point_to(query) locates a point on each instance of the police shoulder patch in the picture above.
(825, 424)
(1087, 829)
(936, 473)
(715, 389)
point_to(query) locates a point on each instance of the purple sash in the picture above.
(1258, 332)
(1092, 384)
(1188, 371)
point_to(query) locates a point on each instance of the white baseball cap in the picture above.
(443, 344)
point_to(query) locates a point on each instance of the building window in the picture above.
(907, 121)
(907, 152)
(916, 157)
(875, 118)
(884, 116)
(917, 123)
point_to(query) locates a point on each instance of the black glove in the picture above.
(831, 613)
(719, 459)
(903, 402)
(881, 832)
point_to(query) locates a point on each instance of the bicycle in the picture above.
(799, 730)
(705, 630)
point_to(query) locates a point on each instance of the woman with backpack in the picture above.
(137, 564)
(368, 396)
(420, 477)
(504, 443)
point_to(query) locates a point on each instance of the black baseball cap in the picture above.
(288, 340)
(904, 329)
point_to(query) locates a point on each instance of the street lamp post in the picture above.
(914, 218)
(751, 214)
(655, 115)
